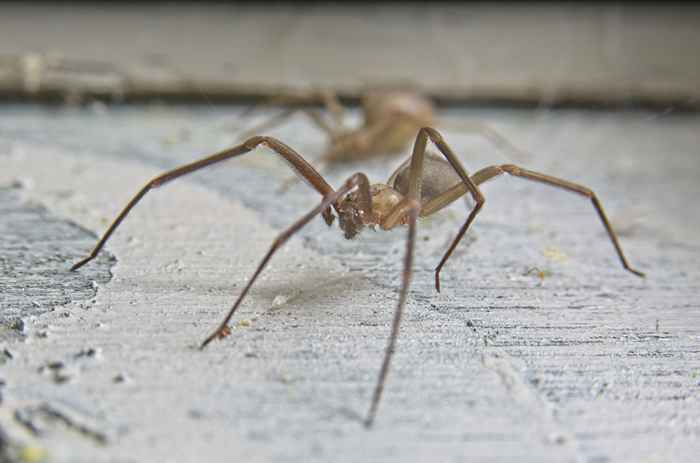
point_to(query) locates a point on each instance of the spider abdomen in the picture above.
(438, 177)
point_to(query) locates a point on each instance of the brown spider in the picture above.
(391, 117)
(421, 186)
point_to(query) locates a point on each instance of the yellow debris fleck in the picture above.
(32, 454)
(555, 254)
(542, 274)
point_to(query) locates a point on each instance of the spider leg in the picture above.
(493, 171)
(273, 121)
(408, 210)
(412, 212)
(488, 173)
(334, 106)
(357, 180)
(298, 163)
(353, 145)
(415, 181)
(327, 98)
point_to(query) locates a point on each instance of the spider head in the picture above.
(350, 216)
(353, 218)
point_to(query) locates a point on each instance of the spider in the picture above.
(391, 116)
(423, 185)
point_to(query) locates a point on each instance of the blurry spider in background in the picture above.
(420, 187)
(391, 117)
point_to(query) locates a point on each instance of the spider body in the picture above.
(421, 186)
(391, 119)
(438, 178)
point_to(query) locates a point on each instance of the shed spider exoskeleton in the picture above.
(422, 186)
(391, 117)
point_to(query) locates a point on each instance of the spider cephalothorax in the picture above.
(353, 217)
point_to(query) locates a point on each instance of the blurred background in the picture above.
(508, 53)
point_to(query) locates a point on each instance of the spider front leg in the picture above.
(416, 179)
(356, 181)
(409, 209)
(298, 163)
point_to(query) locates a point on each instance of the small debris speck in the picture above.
(91, 352)
(18, 325)
(32, 454)
(555, 254)
(22, 183)
(279, 300)
(540, 273)
(556, 438)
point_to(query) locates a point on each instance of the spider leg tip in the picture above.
(636, 272)
(82, 262)
(205, 343)
(76, 266)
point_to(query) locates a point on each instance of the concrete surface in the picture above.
(36, 245)
(587, 364)
(524, 53)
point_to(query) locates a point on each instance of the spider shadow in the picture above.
(296, 289)
(300, 290)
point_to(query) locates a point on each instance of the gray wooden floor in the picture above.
(589, 363)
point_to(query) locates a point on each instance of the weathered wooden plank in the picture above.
(528, 54)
